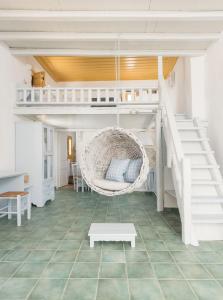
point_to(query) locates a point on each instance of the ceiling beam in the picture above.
(81, 52)
(91, 16)
(70, 36)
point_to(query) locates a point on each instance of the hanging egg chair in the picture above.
(106, 145)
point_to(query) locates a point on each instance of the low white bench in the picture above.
(124, 232)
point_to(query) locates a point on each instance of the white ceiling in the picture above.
(88, 121)
(103, 26)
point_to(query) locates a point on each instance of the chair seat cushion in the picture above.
(110, 185)
(117, 169)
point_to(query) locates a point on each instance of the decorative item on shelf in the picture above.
(38, 79)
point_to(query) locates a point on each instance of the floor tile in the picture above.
(139, 270)
(139, 245)
(40, 256)
(216, 270)
(48, 245)
(57, 270)
(80, 289)
(113, 256)
(89, 256)
(155, 245)
(194, 271)
(69, 245)
(8, 268)
(167, 271)
(86, 245)
(112, 270)
(63, 225)
(144, 289)
(16, 288)
(64, 256)
(50, 289)
(160, 256)
(136, 256)
(30, 270)
(209, 257)
(207, 289)
(3, 253)
(173, 245)
(17, 255)
(85, 270)
(112, 289)
(177, 290)
(112, 245)
(184, 257)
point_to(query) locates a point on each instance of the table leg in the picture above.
(133, 243)
(91, 243)
(19, 216)
(9, 209)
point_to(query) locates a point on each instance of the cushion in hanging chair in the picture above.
(110, 185)
(112, 143)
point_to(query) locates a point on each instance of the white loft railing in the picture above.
(180, 166)
(86, 96)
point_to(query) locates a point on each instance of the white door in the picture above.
(62, 159)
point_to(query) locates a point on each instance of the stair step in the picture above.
(194, 140)
(198, 152)
(207, 218)
(184, 120)
(189, 128)
(207, 200)
(206, 182)
(205, 166)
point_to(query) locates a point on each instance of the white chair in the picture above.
(16, 203)
(77, 177)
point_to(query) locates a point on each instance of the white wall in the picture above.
(12, 74)
(179, 86)
(214, 97)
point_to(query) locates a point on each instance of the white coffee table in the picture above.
(124, 232)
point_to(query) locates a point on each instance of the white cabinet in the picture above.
(34, 155)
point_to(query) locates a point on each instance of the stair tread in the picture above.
(194, 140)
(207, 218)
(184, 120)
(205, 181)
(207, 199)
(189, 128)
(199, 152)
(203, 166)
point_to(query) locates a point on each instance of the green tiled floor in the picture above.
(49, 257)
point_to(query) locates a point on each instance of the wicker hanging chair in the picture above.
(107, 144)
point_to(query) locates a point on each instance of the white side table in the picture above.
(124, 232)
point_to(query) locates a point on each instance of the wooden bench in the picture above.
(124, 232)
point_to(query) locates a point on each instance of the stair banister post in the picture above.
(186, 201)
(159, 162)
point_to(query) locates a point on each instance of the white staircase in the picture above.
(206, 180)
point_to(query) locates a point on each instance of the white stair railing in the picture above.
(180, 166)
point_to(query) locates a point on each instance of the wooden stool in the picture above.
(18, 196)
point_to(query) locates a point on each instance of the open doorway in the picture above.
(65, 156)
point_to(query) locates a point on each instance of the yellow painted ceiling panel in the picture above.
(104, 68)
